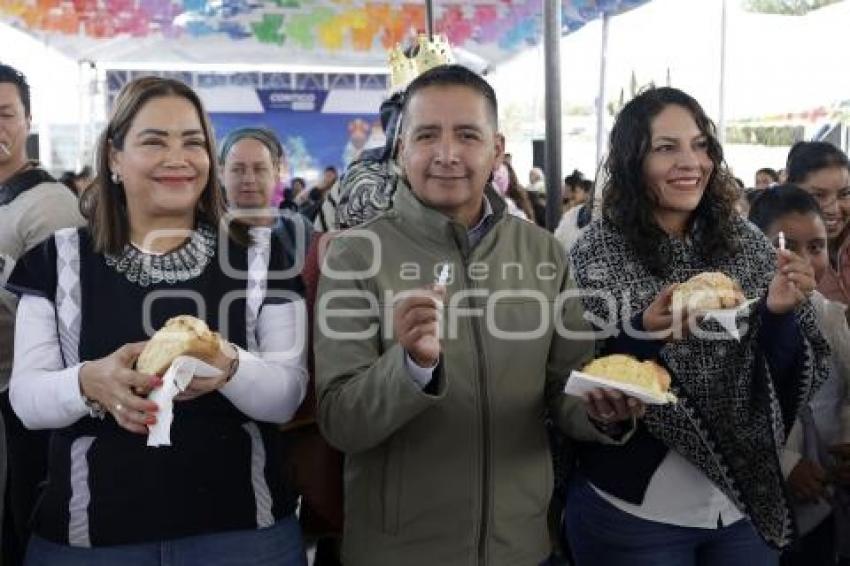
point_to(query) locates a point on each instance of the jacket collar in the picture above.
(432, 225)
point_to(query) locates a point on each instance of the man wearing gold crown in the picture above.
(437, 392)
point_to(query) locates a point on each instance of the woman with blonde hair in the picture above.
(157, 246)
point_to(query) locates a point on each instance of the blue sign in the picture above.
(311, 140)
(281, 100)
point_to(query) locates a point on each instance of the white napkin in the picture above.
(728, 318)
(175, 380)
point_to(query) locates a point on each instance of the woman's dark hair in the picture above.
(517, 193)
(67, 179)
(104, 204)
(775, 202)
(574, 178)
(807, 157)
(628, 202)
(751, 195)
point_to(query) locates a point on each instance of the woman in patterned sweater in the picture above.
(699, 482)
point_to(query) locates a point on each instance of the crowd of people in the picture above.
(401, 382)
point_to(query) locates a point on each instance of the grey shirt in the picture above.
(33, 216)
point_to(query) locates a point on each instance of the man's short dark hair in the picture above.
(454, 75)
(770, 172)
(11, 75)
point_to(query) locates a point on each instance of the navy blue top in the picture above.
(223, 470)
(779, 340)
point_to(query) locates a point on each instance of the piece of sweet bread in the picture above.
(707, 291)
(626, 369)
(181, 336)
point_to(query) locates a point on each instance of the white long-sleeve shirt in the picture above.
(697, 503)
(830, 406)
(268, 386)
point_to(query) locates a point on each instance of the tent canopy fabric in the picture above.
(302, 32)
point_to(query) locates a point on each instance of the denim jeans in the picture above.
(279, 545)
(600, 534)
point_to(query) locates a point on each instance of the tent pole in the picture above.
(721, 115)
(552, 57)
(83, 98)
(601, 95)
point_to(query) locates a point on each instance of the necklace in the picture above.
(184, 263)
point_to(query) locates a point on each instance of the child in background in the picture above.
(823, 170)
(814, 461)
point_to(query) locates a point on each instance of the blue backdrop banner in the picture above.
(311, 139)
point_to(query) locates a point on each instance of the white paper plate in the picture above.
(579, 384)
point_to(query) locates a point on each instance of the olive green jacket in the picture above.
(459, 473)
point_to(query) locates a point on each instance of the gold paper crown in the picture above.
(429, 54)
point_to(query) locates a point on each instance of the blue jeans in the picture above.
(279, 545)
(600, 534)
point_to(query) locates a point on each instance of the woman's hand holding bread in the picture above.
(189, 336)
(119, 389)
(662, 320)
(223, 360)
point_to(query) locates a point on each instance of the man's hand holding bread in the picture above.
(189, 336)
